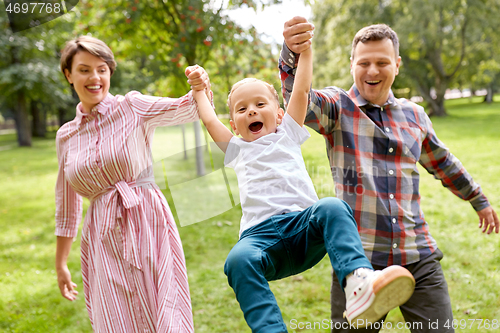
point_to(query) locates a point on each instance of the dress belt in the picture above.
(129, 211)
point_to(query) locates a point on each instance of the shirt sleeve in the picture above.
(324, 105)
(232, 152)
(297, 133)
(163, 111)
(440, 162)
(69, 204)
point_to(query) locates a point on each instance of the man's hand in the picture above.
(488, 218)
(198, 80)
(298, 33)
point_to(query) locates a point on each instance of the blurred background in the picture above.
(450, 53)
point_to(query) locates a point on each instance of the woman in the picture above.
(133, 266)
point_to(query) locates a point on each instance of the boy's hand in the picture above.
(298, 33)
(198, 80)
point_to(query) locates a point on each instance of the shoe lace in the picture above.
(361, 272)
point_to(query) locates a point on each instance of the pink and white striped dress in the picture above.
(133, 265)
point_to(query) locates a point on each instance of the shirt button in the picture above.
(391, 172)
(391, 150)
(290, 60)
(291, 54)
(393, 220)
(391, 196)
(394, 245)
(387, 129)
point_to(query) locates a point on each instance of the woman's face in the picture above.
(90, 77)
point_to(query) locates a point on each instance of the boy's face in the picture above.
(255, 111)
(374, 68)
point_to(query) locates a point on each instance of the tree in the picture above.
(482, 68)
(166, 36)
(437, 37)
(29, 72)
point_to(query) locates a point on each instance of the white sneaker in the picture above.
(372, 294)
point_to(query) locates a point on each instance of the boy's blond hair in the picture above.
(92, 45)
(248, 80)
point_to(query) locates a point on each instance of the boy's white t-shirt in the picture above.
(272, 176)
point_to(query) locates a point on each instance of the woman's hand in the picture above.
(198, 80)
(66, 286)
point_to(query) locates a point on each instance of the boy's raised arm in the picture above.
(297, 107)
(217, 130)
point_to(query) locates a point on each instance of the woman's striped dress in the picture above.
(133, 265)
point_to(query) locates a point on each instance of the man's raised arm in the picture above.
(298, 33)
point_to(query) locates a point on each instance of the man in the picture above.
(373, 143)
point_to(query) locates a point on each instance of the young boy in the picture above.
(285, 229)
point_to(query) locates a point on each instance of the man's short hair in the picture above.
(373, 33)
(91, 45)
(248, 80)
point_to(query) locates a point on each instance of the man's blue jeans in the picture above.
(288, 244)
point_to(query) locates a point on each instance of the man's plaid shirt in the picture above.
(373, 152)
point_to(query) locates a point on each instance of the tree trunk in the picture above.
(23, 125)
(200, 163)
(436, 103)
(183, 127)
(435, 106)
(65, 114)
(39, 120)
(437, 109)
(61, 116)
(489, 95)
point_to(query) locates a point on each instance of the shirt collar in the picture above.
(102, 108)
(360, 101)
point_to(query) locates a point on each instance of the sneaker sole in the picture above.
(392, 288)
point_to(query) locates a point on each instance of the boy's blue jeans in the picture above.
(288, 244)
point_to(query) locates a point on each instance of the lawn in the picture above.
(30, 300)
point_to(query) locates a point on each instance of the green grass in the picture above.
(30, 300)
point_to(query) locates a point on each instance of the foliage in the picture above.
(38, 79)
(247, 56)
(153, 42)
(438, 39)
(29, 60)
(29, 69)
(158, 39)
(488, 71)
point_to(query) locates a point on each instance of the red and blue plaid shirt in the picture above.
(373, 153)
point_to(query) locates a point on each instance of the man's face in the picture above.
(374, 67)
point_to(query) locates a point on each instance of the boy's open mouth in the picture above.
(255, 126)
(373, 83)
